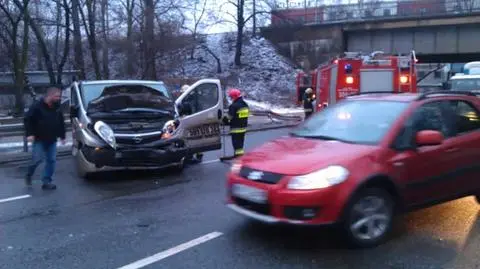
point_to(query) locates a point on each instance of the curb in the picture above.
(65, 152)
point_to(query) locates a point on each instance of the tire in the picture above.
(368, 218)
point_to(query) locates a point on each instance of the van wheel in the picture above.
(369, 217)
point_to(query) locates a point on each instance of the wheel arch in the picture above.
(381, 181)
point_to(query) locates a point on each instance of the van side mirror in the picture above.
(184, 109)
(429, 138)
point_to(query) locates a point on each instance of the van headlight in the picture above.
(106, 133)
(168, 129)
(320, 179)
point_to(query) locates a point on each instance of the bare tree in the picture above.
(241, 19)
(22, 5)
(91, 31)
(130, 7)
(105, 31)
(77, 39)
(217, 59)
(150, 71)
(15, 36)
(66, 41)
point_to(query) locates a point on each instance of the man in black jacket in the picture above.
(44, 124)
(237, 118)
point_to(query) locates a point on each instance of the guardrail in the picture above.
(17, 128)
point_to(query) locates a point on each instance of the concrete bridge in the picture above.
(442, 35)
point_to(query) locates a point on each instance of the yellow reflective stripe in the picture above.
(238, 130)
(243, 113)
(239, 152)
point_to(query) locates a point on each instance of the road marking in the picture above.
(211, 161)
(172, 251)
(14, 198)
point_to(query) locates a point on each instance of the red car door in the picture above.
(424, 171)
(467, 146)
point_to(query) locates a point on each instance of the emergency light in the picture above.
(349, 80)
(348, 68)
(403, 79)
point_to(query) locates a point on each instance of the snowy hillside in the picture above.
(264, 75)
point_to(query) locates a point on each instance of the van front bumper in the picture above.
(157, 155)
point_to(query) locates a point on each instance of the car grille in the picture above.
(134, 141)
(258, 208)
(266, 177)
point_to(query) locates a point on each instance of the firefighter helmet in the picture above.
(234, 94)
(309, 90)
(184, 88)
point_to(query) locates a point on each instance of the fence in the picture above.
(310, 13)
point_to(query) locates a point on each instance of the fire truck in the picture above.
(355, 73)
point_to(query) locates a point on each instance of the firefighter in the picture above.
(308, 100)
(237, 118)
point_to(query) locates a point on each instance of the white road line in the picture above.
(172, 251)
(14, 198)
(211, 161)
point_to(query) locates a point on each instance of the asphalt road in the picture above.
(121, 218)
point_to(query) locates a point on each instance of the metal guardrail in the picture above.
(306, 13)
(17, 128)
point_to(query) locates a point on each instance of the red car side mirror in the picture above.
(429, 138)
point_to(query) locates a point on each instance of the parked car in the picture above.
(360, 161)
(135, 124)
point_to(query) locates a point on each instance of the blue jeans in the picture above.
(43, 151)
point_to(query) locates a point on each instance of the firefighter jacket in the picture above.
(237, 117)
(308, 102)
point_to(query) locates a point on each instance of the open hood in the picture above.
(131, 97)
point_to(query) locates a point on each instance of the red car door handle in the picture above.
(450, 150)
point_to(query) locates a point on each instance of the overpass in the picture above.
(442, 33)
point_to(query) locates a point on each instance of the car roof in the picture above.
(464, 76)
(397, 97)
(411, 97)
(125, 81)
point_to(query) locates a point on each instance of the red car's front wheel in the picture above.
(369, 217)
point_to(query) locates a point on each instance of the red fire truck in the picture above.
(355, 73)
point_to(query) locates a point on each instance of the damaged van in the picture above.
(137, 124)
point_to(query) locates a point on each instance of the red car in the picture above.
(359, 162)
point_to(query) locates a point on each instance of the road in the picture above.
(121, 218)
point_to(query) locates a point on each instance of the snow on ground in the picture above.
(264, 76)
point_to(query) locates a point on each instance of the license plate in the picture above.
(249, 193)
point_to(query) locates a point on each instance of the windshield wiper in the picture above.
(322, 137)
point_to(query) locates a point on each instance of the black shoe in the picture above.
(28, 181)
(49, 186)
